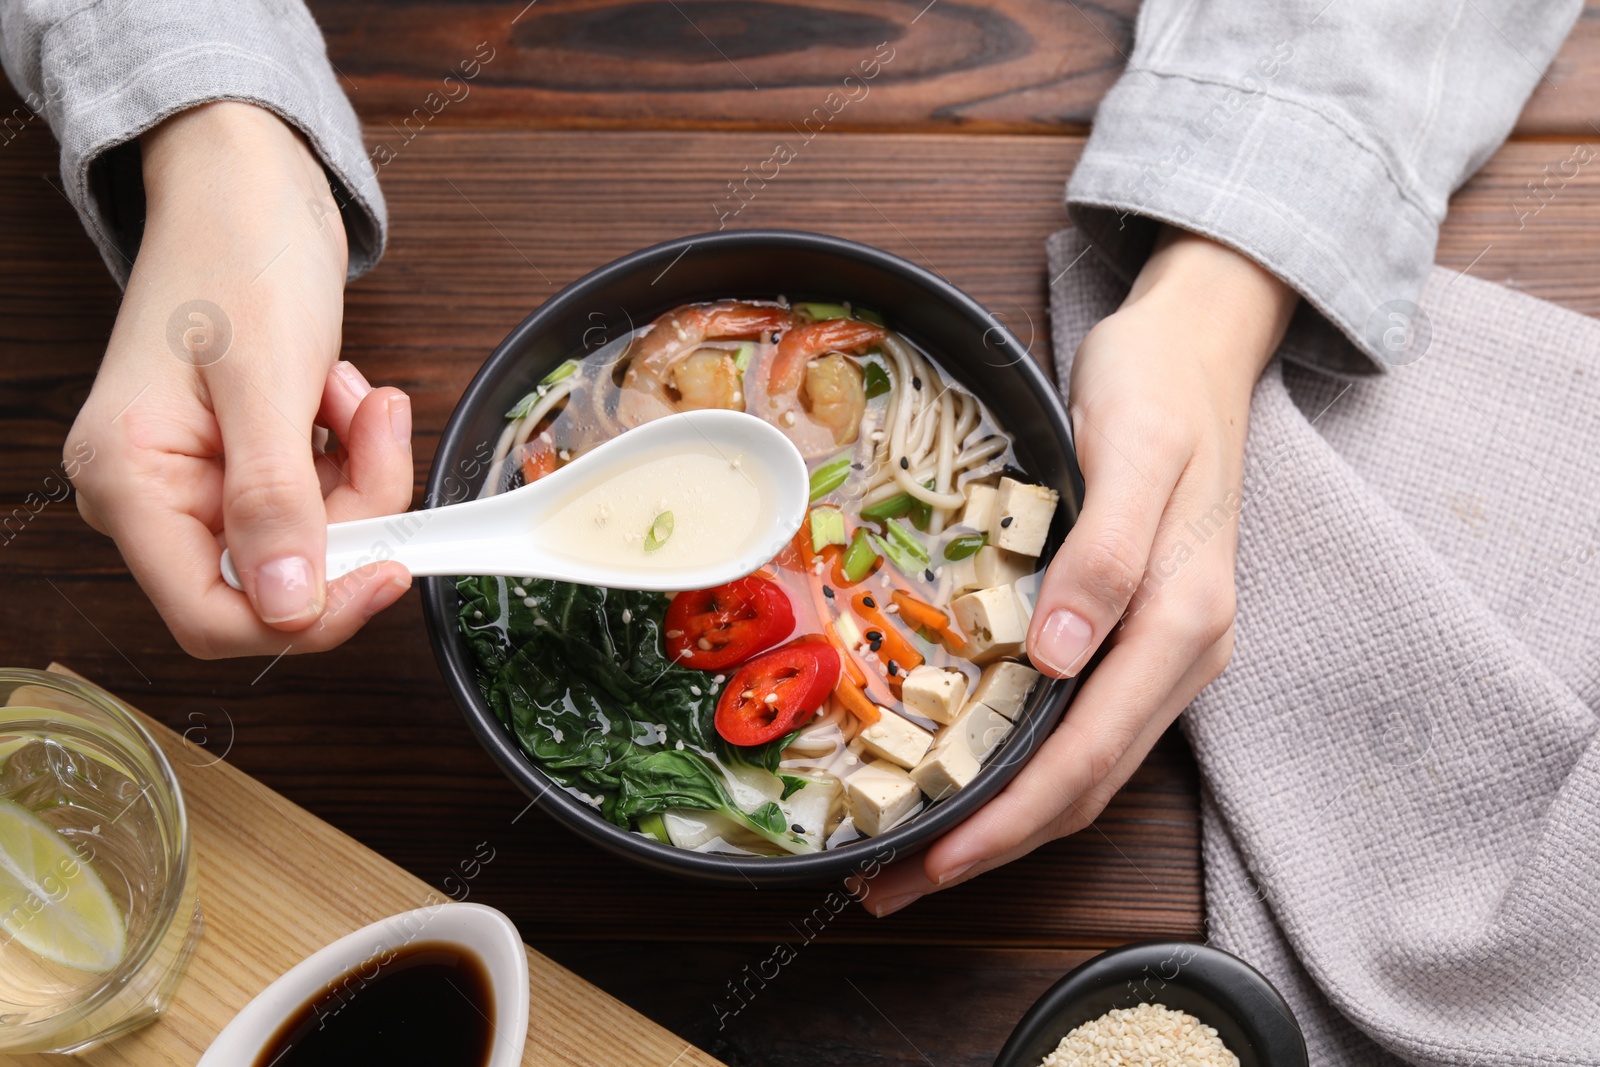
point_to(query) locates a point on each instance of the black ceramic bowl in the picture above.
(966, 340)
(1219, 989)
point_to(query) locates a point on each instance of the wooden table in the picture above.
(596, 128)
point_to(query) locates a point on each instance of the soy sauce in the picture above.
(422, 1004)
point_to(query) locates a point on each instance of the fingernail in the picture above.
(1064, 643)
(400, 418)
(890, 905)
(285, 590)
(950, 876)
(352, 379)
(386, 595)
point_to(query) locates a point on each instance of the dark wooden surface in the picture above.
(490, 217)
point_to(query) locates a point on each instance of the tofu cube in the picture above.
(1022, 514)
(879, 795)
(996, 566)
(1004, 686)
(979, 729)
(896, 739)
(934, 692)
(994, 622)
(945, 769)
(978, 512)
(962, 576)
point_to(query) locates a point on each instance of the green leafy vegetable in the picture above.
(860, 556)
(830, 476)
(660, 530)
(827, 528)
(965, 547)
(876, 379)
(580, 677)
(868, 315)
(791, 785)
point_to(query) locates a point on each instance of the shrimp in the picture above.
(709, 379)
(811, 390)
(647, 388)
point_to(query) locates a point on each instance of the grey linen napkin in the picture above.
(1401, 767)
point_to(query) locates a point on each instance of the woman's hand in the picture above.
(1160, 395)
(199, 431)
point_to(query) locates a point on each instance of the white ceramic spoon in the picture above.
(513, 534)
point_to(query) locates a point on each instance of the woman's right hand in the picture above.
(1160, 399)
(199, 432)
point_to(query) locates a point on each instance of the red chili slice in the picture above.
(716, 628)
(777, 691)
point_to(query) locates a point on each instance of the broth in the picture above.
(427, 1004)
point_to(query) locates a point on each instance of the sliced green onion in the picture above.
(830, 476)
(660, 530)
(817, 312)
(898, 506)
(741, 359)
(965, 546)
(868, 315)
(526, 404)
(921, 515)
(905, 539)
(827, 528)
(876, 378)
(860, 557)
(896, 555)
(890, 508)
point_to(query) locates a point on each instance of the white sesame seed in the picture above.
(694, 690)
(528, 602)
(771, 698)
(627, 616)
(1146, 1035)
(517, 590)
(703, 644)
(788, 418)
(674, 634)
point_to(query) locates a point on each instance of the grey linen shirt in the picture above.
(102, 72)
(1322, 138)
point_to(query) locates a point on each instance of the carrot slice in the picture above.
(920, 613)
(893, 646)
(856, 702)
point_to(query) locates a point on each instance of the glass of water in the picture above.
(98, 910)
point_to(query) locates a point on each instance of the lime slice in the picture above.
(51, 901)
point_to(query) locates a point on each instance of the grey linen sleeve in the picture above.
(102, 72)
(1322, 138)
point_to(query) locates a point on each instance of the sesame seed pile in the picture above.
(1149, 1035)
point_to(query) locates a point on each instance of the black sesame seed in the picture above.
(905, 464)
(827, 591)
(1005, 521)
(857, 467)
(928, 575)
(874, 645)
(869, 602)
(916, 383)
(797, 828)
(894, 668)
(874, 635)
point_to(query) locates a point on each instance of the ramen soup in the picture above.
(865, 673)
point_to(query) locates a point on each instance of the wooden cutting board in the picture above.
(277, 883)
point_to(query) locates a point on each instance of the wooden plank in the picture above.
(982, 66)
(826, 1003)
(277, 883)
(990, 66)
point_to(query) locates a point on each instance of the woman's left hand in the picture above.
(1160, 396)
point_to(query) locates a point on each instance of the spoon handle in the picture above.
(425, 542)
